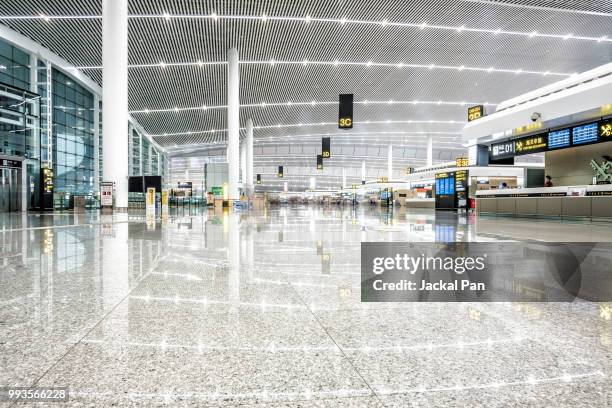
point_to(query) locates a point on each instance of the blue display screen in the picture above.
(559, 138)
(584, 134)
(445, 186)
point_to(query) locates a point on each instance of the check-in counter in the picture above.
(419, 203)
(567, 201)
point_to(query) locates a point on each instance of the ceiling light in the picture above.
(214, 16)
(272, 62)
(289, 103)
(400, 65)
(204, 107)
(414, 102)
(423, 25)
(335, 63)
(200, 63)
(567, 37)
(490, 69)
(460, 29)
(343, 21)
(383, 23)
(461, 68)
(263, 104)
(162, 64)
(308, 19)
(313, 103)
(533, 34)
(305, 62)
(146, 111)
(432, 66)
(390, 102)
(264, 17)
(518, 71)
(602, 39)
(167, 16)
(497, 31)
(369, 64)
(365, 102)
(44, 17)
(176, 109)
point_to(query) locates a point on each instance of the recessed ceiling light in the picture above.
(518, 71)
(461, 68)
(44, 17)
(369, 64)
(568, 36)
(533, 34)
(305, 62)
(497, 31)
(313, 103)
(602, 38)
(432, 66)
(400, 65)
(264, 18)
(460, 29)
(423, 25)
(204, 107)
(167, 16)
(162, 64)
(307, 18)
(214, 16)
(271, 62)
(146, 111)
(335, 63)
(383, 23)
(490, 69)
(343, 21)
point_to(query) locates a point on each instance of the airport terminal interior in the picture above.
(194, 196)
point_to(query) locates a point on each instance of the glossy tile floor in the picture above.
(263, 309)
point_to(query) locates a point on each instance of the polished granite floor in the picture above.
(263, 309)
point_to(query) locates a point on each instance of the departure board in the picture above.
(558, 139)
(585, 134)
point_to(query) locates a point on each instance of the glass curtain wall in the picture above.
(73, 139)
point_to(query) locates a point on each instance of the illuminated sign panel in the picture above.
(259, 179)
(325, 147)
(462, 162)
(280, 171)
(558, 139)
(531, 144)
(605, 130)
(345, 111)
(502, 150)
(475, 112)
(584, 134)
(319, 162)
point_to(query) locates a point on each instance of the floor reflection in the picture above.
(267, 306)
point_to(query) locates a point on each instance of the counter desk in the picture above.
(592, 201)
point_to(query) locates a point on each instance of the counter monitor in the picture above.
(584, 134)
(558, 139)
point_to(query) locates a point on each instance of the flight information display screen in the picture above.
(445, 186)
(585, 134)
(558, 139)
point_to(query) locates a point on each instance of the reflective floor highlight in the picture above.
(263, 309)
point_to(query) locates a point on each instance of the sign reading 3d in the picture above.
(325, 147)
(345, 111)
(475, 112)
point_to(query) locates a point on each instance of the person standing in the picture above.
(548, 181)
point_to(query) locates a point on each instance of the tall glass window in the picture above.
(73, 136)
(14, 66)
(135, 154)
(146, 160)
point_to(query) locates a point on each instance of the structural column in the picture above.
(390, 163)
(233, 123)
(429, 151)
(243, 166)
(363, 172)
(249, 157)
(343, 178)
(115, 96)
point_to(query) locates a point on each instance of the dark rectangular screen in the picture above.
(345, 111)
(259, 179)
(280, 171)
(153, 182)
(325, 147)
(135, 184)
(319, 162)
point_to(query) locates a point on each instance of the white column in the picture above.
(233, 122)
(363, 172)
(115, 96)
(249, 157)
(429, 151)
(390, 162)
(243, 166)
(96, 141)
(343, 178)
